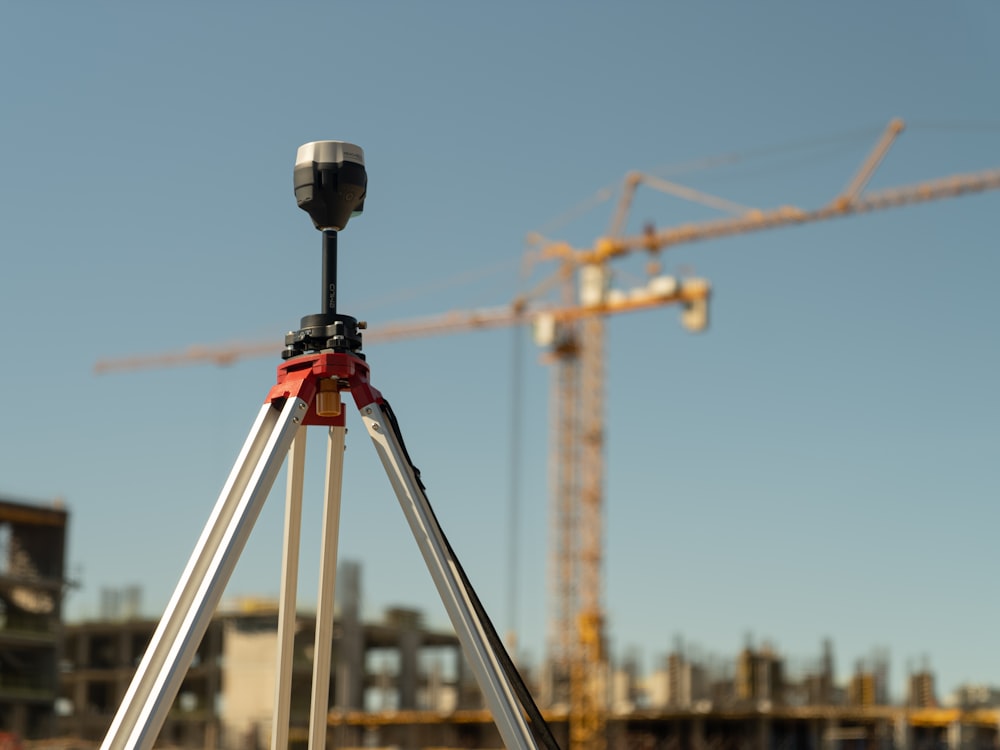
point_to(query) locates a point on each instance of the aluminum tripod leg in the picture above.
(493, 681)
(319, 707)
(171, 649)
(289, 589)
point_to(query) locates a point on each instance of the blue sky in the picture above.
(822, 463)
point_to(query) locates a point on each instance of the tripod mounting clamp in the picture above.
(325, 332)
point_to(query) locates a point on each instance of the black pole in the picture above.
(329, 301)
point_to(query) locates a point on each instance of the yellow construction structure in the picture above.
(573, 331)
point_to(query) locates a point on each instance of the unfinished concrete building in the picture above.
(32, 579)
(227, 697)
(397, 683)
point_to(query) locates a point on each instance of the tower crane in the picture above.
(579, 450)
(573, 330)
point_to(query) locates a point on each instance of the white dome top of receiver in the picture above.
(330, 152)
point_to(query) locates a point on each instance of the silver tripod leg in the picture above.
(493, 681)
(319, 706)
(189, 611)
(289, 589)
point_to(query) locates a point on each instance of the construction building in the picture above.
(32, 581)
(396, 683)
(227, 697)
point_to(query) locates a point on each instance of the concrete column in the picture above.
(815, 734)
(435, 684)
(408, 680)
(957, 736)
(124, 667)
(904, 733)
(80, 707)
(350, 653)
(698, 733)
(764, 733)
(831, 727)
(883, 734)
(213, 687)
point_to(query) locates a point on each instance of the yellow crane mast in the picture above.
(575, 335)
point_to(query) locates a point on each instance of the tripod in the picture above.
(322, 360)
